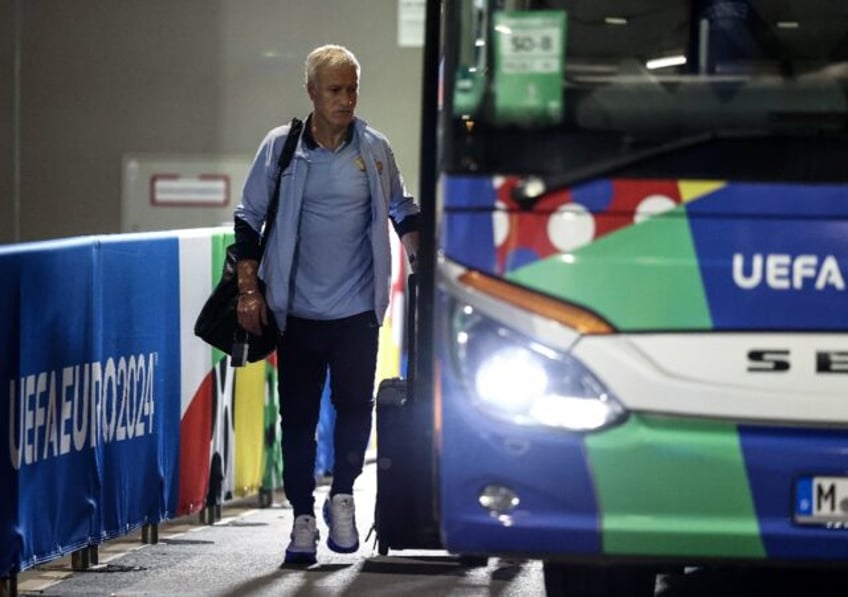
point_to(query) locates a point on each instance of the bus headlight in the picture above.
(516, 379)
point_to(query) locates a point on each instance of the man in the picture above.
(326, 267)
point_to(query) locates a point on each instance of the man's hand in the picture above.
(252, 311)
(410, 245)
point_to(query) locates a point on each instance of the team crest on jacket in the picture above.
(361, 164)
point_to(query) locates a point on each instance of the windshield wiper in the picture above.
(529, 190)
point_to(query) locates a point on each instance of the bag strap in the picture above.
(285, 159)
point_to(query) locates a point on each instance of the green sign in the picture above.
(529, 56)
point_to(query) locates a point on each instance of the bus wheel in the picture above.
(580, 580)
(470, 561)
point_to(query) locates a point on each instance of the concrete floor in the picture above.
(240, 555)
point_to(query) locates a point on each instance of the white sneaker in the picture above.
(304, 541)
(339, 516)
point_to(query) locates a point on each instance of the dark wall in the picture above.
(101, 79)
(7, 44)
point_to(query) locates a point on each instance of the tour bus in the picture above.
(633, 331)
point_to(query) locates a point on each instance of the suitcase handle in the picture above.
(411, 331)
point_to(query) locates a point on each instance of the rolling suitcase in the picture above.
(404, 513)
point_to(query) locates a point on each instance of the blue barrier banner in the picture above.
(90, 372)
(10, 540)
(140, 353)
(47, 379)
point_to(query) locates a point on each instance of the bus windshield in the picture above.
(682, 88)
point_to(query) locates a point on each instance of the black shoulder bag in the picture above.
(217, 323)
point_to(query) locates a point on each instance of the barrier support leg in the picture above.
(9, 586)
(210, 514)
(81, 560)
(150, 533)
(266, 498)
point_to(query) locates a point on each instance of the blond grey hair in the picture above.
(329, 55)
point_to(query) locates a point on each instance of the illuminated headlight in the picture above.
(521, 381)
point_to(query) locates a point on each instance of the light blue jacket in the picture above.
(388, 199)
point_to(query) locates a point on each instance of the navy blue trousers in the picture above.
(305, 351)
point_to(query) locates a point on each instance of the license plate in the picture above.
(821, 500)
